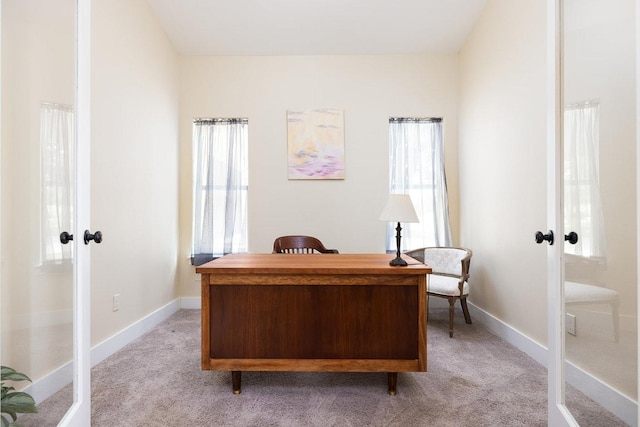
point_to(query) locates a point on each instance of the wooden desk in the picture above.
(303, 312)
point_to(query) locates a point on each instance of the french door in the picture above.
(592, 239)
(45, 201)
(79, 414)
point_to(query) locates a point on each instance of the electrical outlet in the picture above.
(116, 302)
(570, 324)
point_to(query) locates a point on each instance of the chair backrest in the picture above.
(581, 269)
(300, 245)
(448, 261)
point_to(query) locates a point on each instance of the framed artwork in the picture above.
(315, 144)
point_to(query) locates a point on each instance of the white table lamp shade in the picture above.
(399, 208)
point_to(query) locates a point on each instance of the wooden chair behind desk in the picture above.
(300, 245)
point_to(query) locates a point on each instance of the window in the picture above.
(56, 164)
(220, 187)
(416, 168)
(583, 209)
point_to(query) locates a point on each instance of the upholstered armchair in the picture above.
(449, 277)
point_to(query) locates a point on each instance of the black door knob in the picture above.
(540, 237)
(65, 237)
(572, 237)
(97, 237)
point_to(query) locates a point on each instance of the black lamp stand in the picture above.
(397, 261)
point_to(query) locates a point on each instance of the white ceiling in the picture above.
(316, 27)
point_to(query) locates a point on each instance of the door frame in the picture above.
(79, 414)
(558, 414)
(638, 186)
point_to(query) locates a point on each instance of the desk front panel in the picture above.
(314, 322)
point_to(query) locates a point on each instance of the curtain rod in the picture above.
(415, 119)
(57, 106)
(583, 104)
(206, 120)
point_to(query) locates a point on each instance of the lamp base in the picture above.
(398, 262)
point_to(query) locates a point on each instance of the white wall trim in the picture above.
(191, 303)
(53, 382)
(46, 386)
(534, 349)
(617, 403)
(109, 346)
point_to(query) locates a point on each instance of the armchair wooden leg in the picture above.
(452, 303)
(465, 309)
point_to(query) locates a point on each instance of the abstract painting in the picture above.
(316, 144)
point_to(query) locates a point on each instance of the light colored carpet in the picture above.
(473, 379)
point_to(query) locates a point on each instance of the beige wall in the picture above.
(370, 89)
(503, 162)
(134, 164)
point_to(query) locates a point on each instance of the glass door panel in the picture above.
(37, 195)
(600, 203)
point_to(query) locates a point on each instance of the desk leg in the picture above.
(236, 377)
(392, 379)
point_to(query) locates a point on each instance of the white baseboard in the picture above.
(109, 346)
(534, 349)
(191, 303)
(617, 403)
(53, 382)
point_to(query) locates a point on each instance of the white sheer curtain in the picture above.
(220, 188)
(56, 196)
(416, 168)
(583, 209)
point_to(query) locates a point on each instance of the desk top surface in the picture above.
(311, 264)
